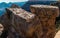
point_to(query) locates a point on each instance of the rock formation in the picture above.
(4, 20)
(58, 5)
(47, 15)
(19, 23)
(25, 24)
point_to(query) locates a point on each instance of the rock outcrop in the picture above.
(24, 23)
(19, 23)
(58, 5)
(4, 20)
(47, 15)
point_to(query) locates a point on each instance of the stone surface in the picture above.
(58, 5)
(5, 22)
(24, 24)
(38, 25)
(1, 29)
(47, 15)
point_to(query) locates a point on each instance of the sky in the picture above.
(12, 1)
(18, 0)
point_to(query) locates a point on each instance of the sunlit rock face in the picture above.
(1, 28)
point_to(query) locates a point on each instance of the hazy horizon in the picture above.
(7, 1)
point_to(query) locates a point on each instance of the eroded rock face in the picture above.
(5, 22)
(25, 28)
(58, 5)
(4, 19)
(22, 24)
(47, 15)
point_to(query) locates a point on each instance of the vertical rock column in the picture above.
(47, 15)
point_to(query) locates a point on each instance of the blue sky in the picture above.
(21, 0)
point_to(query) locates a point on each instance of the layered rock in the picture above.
(47, 15)
(24, 23)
